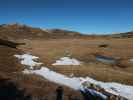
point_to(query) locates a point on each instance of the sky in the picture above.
(86, 16)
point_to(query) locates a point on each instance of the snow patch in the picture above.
(67, 61)
(76, 82)
(98, 94)
(72, 82)
(28, 60)
(56, 77)
(114, 88)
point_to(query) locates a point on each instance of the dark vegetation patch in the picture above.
(103, 45)
(8, 43)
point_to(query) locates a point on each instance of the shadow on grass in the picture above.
(9, 91)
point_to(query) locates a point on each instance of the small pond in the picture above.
(106, 59)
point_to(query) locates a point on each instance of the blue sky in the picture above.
(87, 16)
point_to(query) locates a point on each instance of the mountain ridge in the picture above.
(8, 31)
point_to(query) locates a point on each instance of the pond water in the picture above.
(106, 59)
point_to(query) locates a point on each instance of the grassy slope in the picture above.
(33, 85)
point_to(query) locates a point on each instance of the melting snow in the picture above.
(75, 82)
(67, 61)
(112, 87)
(56, 77)
(28, 60)
(93, 92)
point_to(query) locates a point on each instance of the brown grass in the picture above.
(33, 85)
(82, 49)
(37, 86)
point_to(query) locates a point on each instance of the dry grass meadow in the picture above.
(32, 85)
(83, 49)
(52, 46)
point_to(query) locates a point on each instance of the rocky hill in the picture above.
(17, 31)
